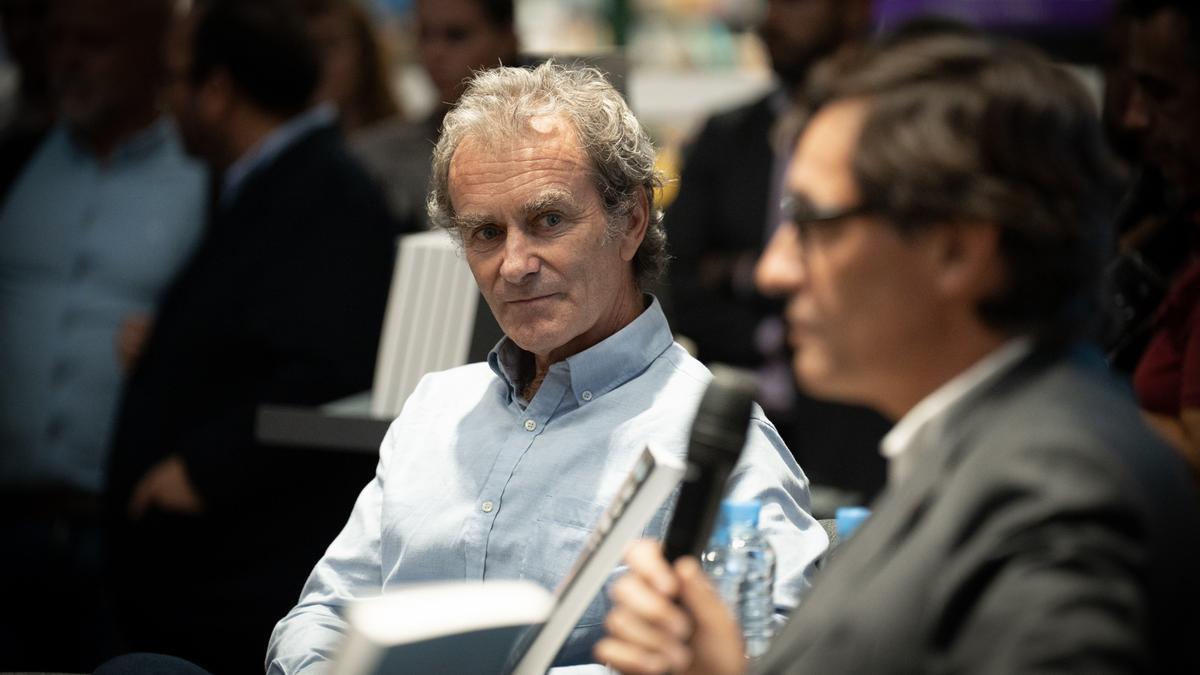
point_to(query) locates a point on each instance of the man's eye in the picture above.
(551, 220)
(485, 233)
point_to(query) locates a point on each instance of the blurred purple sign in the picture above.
(1049, 14)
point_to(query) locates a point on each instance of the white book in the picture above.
(450, 627)
(501, 626)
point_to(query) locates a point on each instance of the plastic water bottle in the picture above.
(741, 564)
(725, 567)
(757, 607)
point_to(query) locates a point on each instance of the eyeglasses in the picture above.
(808, 219)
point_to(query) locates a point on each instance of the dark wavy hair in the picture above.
(265, 47)
(961, 128)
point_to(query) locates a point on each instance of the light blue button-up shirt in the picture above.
(83, 244)
(474, 484)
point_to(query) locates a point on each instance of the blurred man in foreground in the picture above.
(947, 222)
(499, 470)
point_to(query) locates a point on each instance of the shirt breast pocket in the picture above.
(564, 525)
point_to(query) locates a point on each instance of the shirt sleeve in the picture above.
(768, 472)
(308, 638)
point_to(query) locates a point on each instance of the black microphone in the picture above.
(718, 434)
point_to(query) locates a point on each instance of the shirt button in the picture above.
(587, 396)
(487, 506)
(530, 425)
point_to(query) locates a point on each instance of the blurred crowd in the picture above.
(198, 214)
(200, 208)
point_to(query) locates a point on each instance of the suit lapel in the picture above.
(897, 510)
(940, 446)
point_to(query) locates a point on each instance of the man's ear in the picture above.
(636, 223)
(967, 259)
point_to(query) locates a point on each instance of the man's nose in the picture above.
(780, 269)
(520, 257)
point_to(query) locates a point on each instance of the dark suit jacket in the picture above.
(282, 303)
(1046, 530)
(720, 217)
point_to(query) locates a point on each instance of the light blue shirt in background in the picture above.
(83, 244)
(474, 485)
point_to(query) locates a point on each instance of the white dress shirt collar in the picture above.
(928, 415)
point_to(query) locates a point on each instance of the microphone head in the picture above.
(724, 413)
(718, 434)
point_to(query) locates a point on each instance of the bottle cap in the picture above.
(720, 535)
(740, 513)
(849, 518)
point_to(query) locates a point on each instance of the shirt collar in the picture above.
(600, 368)
(271, 146)
(927, 415)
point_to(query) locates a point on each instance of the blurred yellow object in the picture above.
(668, 162)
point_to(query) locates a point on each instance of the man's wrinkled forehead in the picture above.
(515, 131)
(531, 134)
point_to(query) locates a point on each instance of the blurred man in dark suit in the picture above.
(727, 208)
(213, 533)
(949, 214)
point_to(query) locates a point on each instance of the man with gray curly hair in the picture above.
(620, 153)
(498, 470)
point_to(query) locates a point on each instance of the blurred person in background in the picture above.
(98, 220)
(1163, 113)
(27, 115)
(212, 533)
(355, 78)
(454, 39)
(1147, 253)
(355, 75)
(1154, 236)
(725, 213)
(950, 214)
